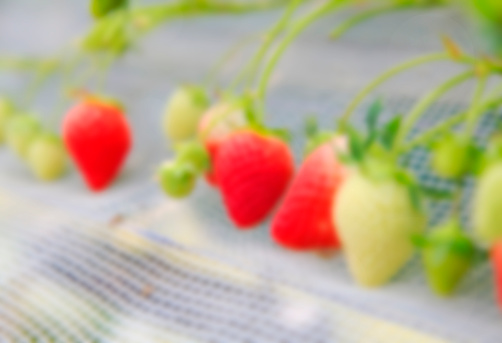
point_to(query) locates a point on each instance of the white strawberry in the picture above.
(183, 112)
(376, 221)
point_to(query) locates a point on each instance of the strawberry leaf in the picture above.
(419, 241)
(389, 132)
(436, 194)
(356, 145)
(373, 114)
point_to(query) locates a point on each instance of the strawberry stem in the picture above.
(476, 108)
(358, 99)
(370, 14)
(295, 31)
(212, 76)
(493, 102)
(422, 105)
(252, 68)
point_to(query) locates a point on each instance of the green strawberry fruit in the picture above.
(7, 110)
(487, 205)
(195, 153)
(47, 157)
(448, 254)
(450, 158)
(21, 130)
(177, 178)
(101, 8)
(375, 222)
(183, 113)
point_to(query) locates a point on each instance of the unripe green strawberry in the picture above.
(448, 254)
(177, 178)
(21, 130)
(487, 206)
(450, 158)
(376, 221)
(183, 113)
(7, 110)
(47, 157)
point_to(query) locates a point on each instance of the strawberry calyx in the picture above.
(97, 99)
(315, 136)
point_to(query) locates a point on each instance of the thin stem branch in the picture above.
(422, 105)
(295, 31)
(358, 99)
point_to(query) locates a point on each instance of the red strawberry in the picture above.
(98, 137)
(216, 124)
(253, 170)
(496, 259)
(304, 221)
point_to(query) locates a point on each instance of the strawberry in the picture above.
(20, 131)
(487, 205)
(177, 178)
(184, 110)
(448, 254)
(303, 220)
(7, 110)
(496, 261)
(451, 155)
(47, 157)
(216, 124)
(253, 170)
(376, 219)
(98, 137)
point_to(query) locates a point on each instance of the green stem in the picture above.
(475, 109)
(212, 75)
(366, 15)
(419, 109)
(358, 99)
(295, 31)
(252, 68)
(456, 119)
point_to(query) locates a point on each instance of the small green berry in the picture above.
(177, 178)
(21, 130)
(47, 157)
(450, 158)
(183, 113)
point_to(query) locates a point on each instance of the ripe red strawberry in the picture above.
(253, 170)
(496, 259)
(216, 124)
(304, 221)
(98, 137)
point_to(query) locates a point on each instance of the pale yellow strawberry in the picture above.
(376, 221)
(487, 205)
(183, 113)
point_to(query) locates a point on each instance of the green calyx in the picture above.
(195, 154)
(177, 178)
(315, 136)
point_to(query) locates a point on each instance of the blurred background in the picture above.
(130, 265)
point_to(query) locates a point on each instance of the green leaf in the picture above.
(415, 198)
(436, 194)
(419, 240)
(389, 132)
(373, 114)
(356, 145)
(311, 126)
